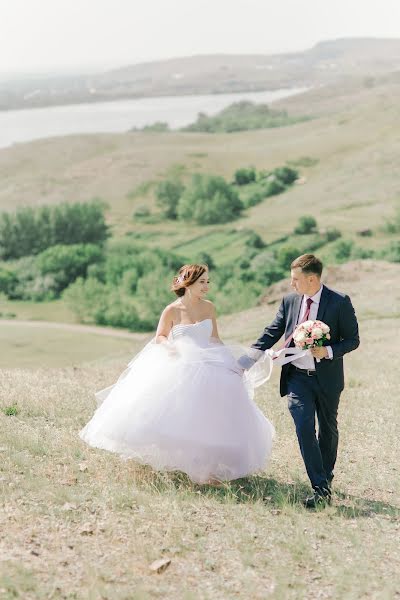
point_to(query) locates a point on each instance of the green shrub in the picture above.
(121, 311)
(341, 250)
(242, 116)
(286, 174)
(307, 224)
(332, 233)
(244, 176)
(129, 289)
(168, 193)
(153, 294)
(209, 199)
(8, 281)
(255, 241)
(87, 299)
(94, 302)
(273, 186)
(254, 199)
(267, 268)
(285, 255)
(392, 252)
(66, 263)
(203, 258)
(11, 411)
(30, 283)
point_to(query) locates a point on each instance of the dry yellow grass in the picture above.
(81, 523)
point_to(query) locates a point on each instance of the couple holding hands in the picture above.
(185, 401)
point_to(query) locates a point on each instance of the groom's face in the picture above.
(302, 283)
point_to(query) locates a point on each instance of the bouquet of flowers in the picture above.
(311, 334)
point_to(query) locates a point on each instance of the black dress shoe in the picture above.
(321, 497)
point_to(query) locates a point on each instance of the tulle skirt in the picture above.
(183, 407)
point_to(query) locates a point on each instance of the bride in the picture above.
(183, 403)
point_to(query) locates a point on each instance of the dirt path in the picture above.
(76, 328)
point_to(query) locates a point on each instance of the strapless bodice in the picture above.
(199, 332)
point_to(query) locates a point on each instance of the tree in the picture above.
(307, 224)
(8, 280)
(273, 186)
(341, 250)
(245, 176)
(67, 263)
(286, 255)
(209, 199)
(267, 268)
(255, 241)
(168, 194)
(29, 231)
(286, 174)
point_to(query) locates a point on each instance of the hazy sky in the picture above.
(51, 34)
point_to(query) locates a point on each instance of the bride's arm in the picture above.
(164, 325)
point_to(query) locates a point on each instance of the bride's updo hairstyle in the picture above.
(187, 276)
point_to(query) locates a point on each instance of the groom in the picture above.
(313, 387)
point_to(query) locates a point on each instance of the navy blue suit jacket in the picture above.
(336, 310)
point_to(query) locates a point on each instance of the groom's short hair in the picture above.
(308, 263)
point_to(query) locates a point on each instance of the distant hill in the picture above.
(326, 63)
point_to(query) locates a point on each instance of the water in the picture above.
(120, 115)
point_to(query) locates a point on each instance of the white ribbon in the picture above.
(286, 355)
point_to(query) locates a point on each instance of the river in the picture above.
(120, 115)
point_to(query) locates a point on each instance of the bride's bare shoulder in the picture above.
(175, 305)
(170, 311)
(208, 306)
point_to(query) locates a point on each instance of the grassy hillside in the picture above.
(347, 157)
(353, 185)
(85, 524)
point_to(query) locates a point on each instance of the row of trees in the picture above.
(29, 231)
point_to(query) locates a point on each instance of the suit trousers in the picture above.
(306, 400)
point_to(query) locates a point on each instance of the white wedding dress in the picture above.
(185, 406)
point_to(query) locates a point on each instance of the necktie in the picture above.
(309, 301)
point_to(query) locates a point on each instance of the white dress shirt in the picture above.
(307, 362)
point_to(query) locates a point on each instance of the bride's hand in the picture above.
(171, 349)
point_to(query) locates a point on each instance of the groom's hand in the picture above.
(320, 352)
